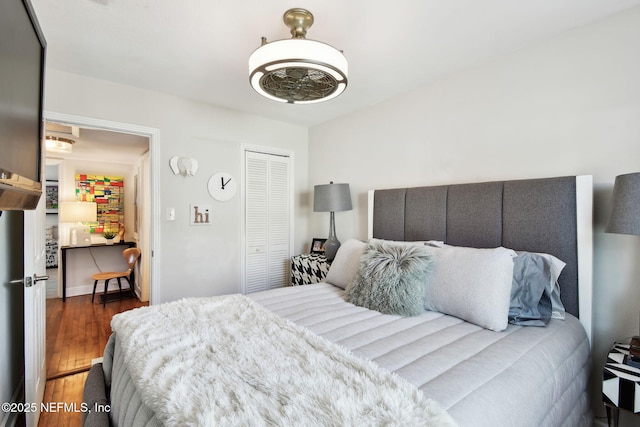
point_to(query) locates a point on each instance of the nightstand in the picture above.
(620, 380)
(308, 268)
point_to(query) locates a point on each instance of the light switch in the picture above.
(171, 214)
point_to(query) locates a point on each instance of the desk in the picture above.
(63, 264)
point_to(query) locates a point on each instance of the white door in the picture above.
(143, 202)
(267, 221)
(34, 309)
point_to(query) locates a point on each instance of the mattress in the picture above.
(523, 376)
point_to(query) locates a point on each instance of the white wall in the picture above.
(568, 105)
(195, 261)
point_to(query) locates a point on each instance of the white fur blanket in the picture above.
(229, 361)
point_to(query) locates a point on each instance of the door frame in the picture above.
(154, 153)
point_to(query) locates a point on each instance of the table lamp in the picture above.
(331, 198)
(624, 218)
(78, 212)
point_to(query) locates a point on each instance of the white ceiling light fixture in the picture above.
(58, 144)
(297, 70)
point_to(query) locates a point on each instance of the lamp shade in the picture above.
(78, 212)
(332, 198)
(624, 217)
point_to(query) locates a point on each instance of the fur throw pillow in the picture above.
(392, 278)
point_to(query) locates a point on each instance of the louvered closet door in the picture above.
(267, 221)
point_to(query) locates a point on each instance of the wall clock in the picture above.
(222, 186)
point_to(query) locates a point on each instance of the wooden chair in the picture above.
(131, 255)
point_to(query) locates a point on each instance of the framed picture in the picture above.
(108, 194)
(317, 246)
(51, 194)
(200, 214)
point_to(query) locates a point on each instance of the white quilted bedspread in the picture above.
(519, 377)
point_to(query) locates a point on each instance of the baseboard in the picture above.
(68, 373)
(116, 296)
(88, 289)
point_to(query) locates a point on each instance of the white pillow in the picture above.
(472, 284)
(346, 263)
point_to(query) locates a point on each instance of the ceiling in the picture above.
(99, 145)
(198, 49)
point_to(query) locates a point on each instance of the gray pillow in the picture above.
(391, 278)
(530, 303)
(553, 288)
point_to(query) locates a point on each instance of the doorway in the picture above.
(147, 229)
(106, 168)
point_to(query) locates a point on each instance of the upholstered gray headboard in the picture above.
(550, 215)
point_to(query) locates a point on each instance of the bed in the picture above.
(469, 367)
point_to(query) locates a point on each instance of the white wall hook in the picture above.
(185, 166)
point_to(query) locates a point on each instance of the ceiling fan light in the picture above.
(57, 144)
(341, 87)
(308, 65)
(256, 85)
(298, 70)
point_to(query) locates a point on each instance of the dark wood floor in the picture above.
(77, 332)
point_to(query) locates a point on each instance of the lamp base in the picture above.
(332, 244)
(80, 236)
(331, 248)
(634, 346)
